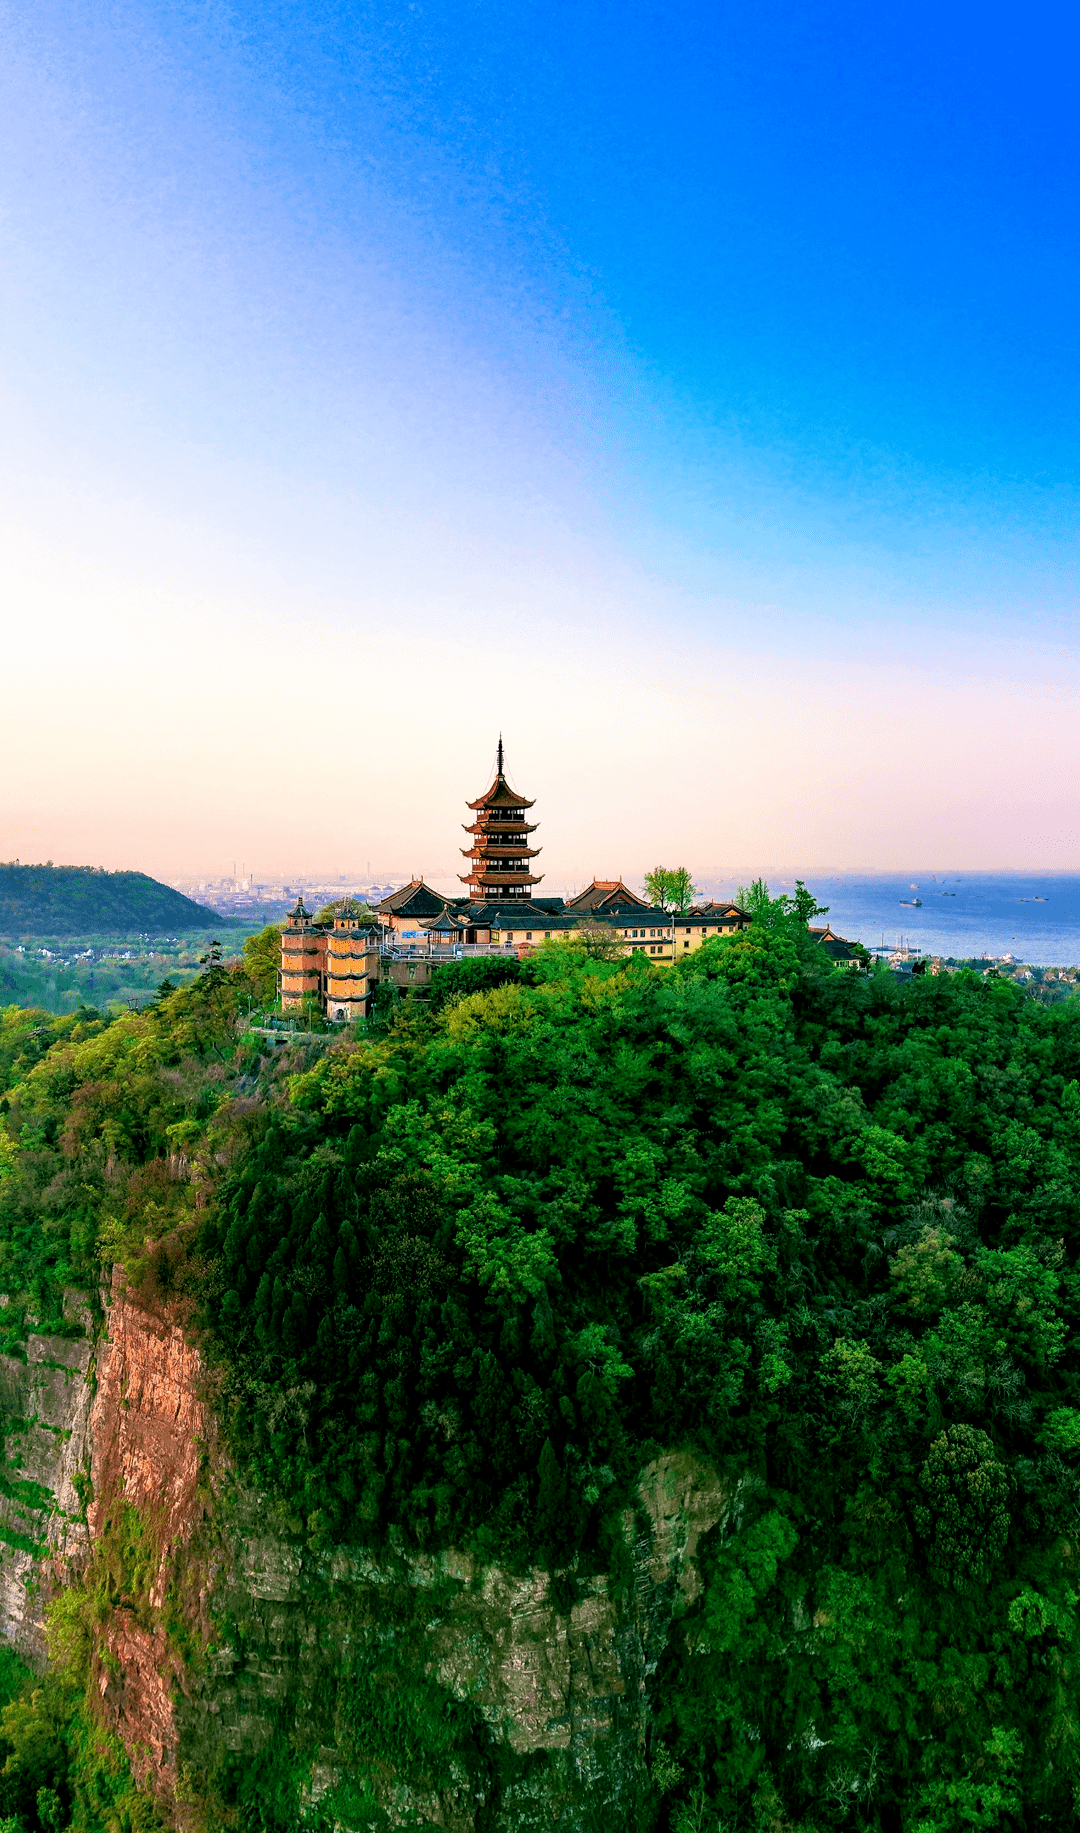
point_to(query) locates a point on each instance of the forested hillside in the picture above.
(85, 901)
(462, 1275)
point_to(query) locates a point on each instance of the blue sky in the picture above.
(682, 390)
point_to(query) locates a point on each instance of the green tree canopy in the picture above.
(463, 1276)
(758, 902)
(262, 961)
(672, 891)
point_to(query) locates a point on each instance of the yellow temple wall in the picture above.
(303, 963)
(352, 972)
(690, 935)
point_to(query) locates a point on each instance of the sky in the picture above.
(689, 394)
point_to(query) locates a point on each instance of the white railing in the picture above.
(453, 951)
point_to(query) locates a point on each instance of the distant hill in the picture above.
(86, 901)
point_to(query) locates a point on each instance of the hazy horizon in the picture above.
(781, 876)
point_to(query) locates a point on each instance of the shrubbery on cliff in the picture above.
(463, 1275)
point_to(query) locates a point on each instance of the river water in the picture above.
(1033, 917)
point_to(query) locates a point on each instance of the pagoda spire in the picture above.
(499, 855)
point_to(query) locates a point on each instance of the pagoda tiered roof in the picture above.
(499, 853)
(500, 795)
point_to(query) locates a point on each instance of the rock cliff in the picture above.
(45, 1407)
(410, 1689)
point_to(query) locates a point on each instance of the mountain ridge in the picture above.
(48, 900)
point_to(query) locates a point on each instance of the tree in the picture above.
(759, 903)
(262, 959)
(385, 1002)
(805, 905)
(552, 1503)
(353, 907)
(214, 970)
(672, 892)
(598, 940)
(967, 1519)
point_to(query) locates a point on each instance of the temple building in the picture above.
(840, 951)
(338, 961)
(336, 964)
(500, 853)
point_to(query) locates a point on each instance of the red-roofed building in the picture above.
(607, 894)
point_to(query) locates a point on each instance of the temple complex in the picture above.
(337, 961)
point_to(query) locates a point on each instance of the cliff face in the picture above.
(226, 1630)
(150, 1427)
(45, 1405)
(151, 1435)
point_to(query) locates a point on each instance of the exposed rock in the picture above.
(567, 1689)
(151, 1430)
(136, 1687)
(150, 1425)
(684, 1498)
(562, 1690)
(46, 1406)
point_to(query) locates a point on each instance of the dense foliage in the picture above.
(466, 1272)
(85, 900)
(822, 1227)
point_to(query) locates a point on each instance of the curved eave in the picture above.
(495, 827)
(500, 795)
(489, 882)
(520, 852)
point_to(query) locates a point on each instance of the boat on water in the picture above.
(1040, 900)
(948, 894)
(911, 903)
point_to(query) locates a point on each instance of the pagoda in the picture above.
(500, 854)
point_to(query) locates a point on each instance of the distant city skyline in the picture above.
(720, 879)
